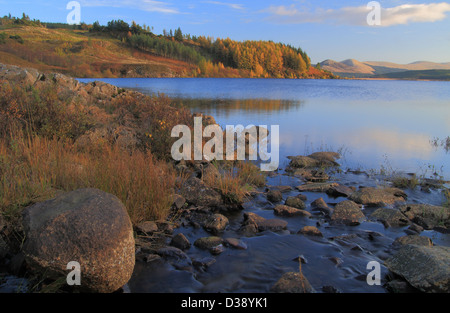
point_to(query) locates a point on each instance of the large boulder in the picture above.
(425, 268)
(88, 226)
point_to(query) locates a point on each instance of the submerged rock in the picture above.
(425, 268)
(88, 226)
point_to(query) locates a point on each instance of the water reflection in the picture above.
(230, 106)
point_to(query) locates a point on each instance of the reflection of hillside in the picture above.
(247, 105)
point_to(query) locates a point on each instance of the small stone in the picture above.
(340, 191)
(320, 205)
(208, 242)
(337, 261)
(295, 202)
(217, 249)
(292, 282)
(301, 259)
(152, 257)
(329, 289)
(347, 212)
(274, 196)
(204, 263)
(235, 243)
(178, 201)
(310, 231)
(415, 228)
(147, 228)
(216, 223)
(287, 211)
(282, 188)
(180, 241)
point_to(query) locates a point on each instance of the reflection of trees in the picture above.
(228, 106)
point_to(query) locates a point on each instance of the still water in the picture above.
(374, 124)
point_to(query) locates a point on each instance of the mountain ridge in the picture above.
(352, 68)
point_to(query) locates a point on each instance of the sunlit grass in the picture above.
(34, 168)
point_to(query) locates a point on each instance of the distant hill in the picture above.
(422, 75)
(119, 49)
(374, 69)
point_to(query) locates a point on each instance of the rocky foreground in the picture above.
(93, 228)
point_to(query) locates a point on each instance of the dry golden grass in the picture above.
(34, 168)
(236, 182)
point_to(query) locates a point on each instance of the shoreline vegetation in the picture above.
(58, 135)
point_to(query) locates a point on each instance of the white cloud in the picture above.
(231, 5)
(145, 5)
(399, 15)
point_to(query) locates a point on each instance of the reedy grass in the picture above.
(33, 169)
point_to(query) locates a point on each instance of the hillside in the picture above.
(81, 54)
(372, 69)
(121, 50)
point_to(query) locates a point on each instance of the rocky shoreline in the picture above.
(315, 203)
(388, 206)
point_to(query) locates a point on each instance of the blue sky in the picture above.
(413, 30)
